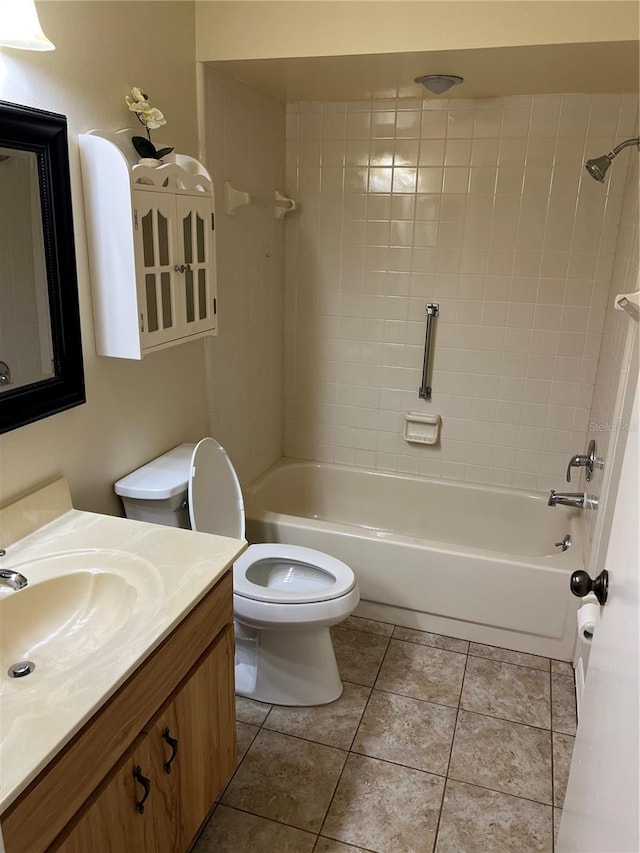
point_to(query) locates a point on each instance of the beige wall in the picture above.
(244, 144)
(134, 410)
(253, 30)
(485, 207)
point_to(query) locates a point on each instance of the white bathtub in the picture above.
(467, 561)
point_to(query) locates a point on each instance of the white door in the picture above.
(601, 808)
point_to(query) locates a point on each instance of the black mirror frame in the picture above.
(45, 134)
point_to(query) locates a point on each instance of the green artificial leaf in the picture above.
(144, 147)
(162, 152)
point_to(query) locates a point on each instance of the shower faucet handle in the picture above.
(586, 461)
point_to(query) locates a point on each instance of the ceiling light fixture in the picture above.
(20, 27)
(439, 83)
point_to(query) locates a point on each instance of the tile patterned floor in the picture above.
(436, 744)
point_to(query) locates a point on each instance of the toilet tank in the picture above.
(157, 492)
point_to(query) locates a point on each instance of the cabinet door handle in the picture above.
(173, 743)
(182, 268)
(146, 785)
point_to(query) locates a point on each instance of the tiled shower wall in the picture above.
(244, 142)
(484, 207)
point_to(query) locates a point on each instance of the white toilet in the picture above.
(285, 597)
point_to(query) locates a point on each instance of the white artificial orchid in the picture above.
(150, 118)
(136, 95)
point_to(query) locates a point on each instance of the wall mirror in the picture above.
(41, 370)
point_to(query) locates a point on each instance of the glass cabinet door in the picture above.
(155, 239)
(195, 229)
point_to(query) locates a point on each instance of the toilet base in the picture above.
(284, 667)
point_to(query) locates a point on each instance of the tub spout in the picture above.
(574, 499)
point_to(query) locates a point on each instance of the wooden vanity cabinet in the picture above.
(191, 735)
(112, 822)
(205, 729)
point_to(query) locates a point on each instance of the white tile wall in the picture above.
(245, 145)
(484, 207)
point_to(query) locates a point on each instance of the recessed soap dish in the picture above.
(420, 428)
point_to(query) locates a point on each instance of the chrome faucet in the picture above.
(575, 499)
(12, 579)
(565, 544)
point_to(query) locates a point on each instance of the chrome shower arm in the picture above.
(626, 144)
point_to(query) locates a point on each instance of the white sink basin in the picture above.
(73, 609)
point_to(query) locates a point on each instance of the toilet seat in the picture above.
(276, 574)
(290, 574)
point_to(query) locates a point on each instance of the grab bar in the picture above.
(432, 310)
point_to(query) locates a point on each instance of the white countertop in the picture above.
(40, 713)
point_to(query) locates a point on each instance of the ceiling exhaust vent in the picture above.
(439, 83)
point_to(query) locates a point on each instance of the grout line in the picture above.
(346, 843)
(498, 791)
(425, 646)
(349, 752)
(474, 654)
(507, 720)
(336, 786)
(241, 762)
(364, 711)
(270, 819)
(455, 727)
(418, 698)
(306, 740)
(511, 663)
(381, 664)
(553, 784)
(468, 710)
(431, 646)
(400, 764)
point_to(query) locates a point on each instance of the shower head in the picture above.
(597, 167)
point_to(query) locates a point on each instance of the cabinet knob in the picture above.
(182, 268)
(146, 787)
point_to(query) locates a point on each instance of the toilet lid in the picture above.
(215, 497)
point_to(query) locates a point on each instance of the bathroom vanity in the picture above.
(124, 742)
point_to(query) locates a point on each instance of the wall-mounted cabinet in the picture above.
(152, 247)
